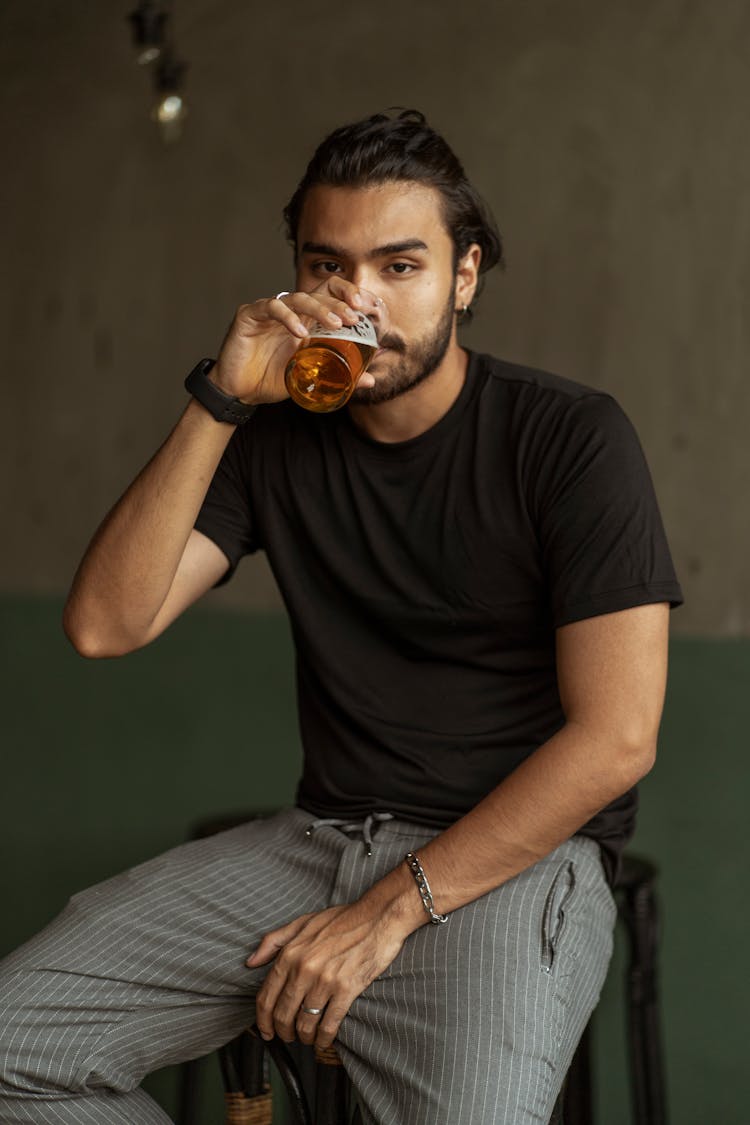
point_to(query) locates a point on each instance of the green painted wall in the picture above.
(107, 763)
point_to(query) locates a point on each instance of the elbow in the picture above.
(90, 647)
(623, 755)
(637, 756)
(90, 642)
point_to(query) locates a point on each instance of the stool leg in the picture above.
(577, 1102)
(187, 1097)
(640, 914)
(290, 1076)
(558, 1116)
(331, 1089)
(247, 1095)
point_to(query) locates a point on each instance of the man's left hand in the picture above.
(323, 960)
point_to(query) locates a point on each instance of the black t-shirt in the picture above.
(425, 579)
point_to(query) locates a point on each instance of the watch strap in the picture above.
(223, 407)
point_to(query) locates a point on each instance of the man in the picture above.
(478, 583)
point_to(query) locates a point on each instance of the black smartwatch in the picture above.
(224, 408)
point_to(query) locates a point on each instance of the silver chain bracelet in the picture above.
(424, 888)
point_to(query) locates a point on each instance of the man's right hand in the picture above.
(264, 336)
(147, 562)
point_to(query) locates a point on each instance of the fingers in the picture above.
(265, 952)
(322, 1029)
(283, 1012)
(326, 1028)
(280, 999)
(335, 303)
(308, 1019)
(294, 982)
(363, 301)
(279, 310)
(322, 961)
(321, 307)
(276, 993)
(357, 298)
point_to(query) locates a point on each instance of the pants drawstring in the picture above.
(363, 826)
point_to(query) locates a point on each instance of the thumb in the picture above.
(274, 941)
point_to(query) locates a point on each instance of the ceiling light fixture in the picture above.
(148, 22)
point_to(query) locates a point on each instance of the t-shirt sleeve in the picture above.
(603, 542)
(226, 515)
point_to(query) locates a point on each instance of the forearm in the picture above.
(136, 575)
(542, 803)
(611, 676)
(131, 562)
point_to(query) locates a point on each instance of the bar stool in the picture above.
(638, 911)
(247, 1093)
(244, 1061)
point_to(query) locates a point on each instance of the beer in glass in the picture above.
(324, 371)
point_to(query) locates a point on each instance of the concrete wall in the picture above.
(609, 138)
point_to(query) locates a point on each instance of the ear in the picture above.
(467, 275)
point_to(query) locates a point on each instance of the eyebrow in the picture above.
(379, 251)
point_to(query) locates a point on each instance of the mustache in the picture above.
(395, 343)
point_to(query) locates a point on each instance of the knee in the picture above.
(33, 1053)
(14, 1032)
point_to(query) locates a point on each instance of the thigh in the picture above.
(147, 968)
(478, 1019)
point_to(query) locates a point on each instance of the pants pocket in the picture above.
(553, 917)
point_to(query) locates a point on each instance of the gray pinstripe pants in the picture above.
(474, 1023)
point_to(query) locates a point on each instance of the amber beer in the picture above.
(323, 373)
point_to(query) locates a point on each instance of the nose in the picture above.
(378, 311)
(367, 279)
(379, 314)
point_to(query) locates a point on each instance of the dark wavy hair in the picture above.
(382, 149)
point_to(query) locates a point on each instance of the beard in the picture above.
(415, 361)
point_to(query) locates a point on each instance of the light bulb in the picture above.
(148, 55)
(170, 108)
(148, 32)
(169, 114)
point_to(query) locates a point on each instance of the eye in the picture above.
(326, 267)
(401, 267)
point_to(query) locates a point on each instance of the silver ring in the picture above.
(283, 293)
(311, 1011)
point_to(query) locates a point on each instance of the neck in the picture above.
(416, 410)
